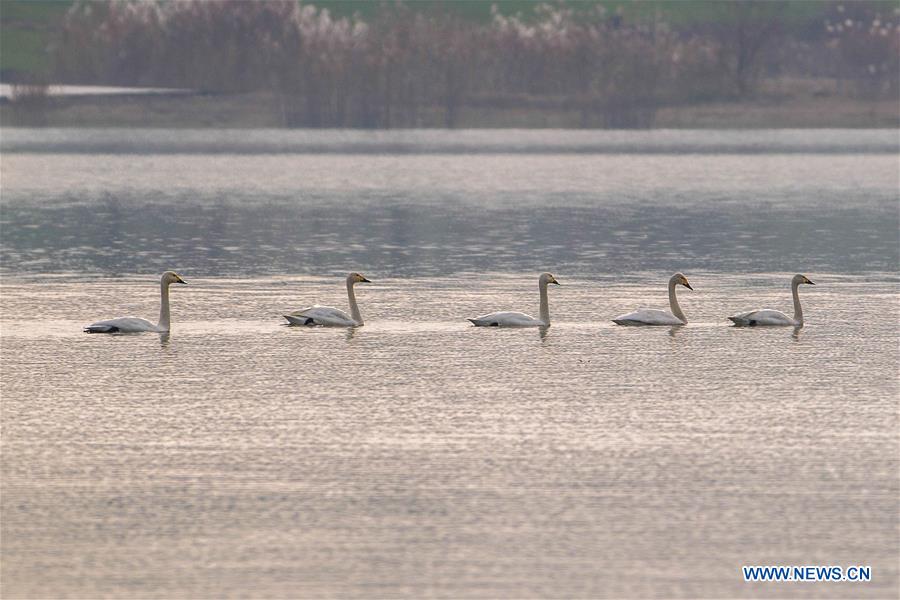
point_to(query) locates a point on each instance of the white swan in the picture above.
(651, 316)
(136, 324)
(328, 316)
(517, 319)
(767, 316)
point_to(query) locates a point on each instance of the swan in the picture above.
(136, 324)
(328, 316)
(651, 316)
(517, 319)
(767, 316)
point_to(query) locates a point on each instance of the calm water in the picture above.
(418, 456)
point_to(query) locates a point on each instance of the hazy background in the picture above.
(455, 64)
(263, 150)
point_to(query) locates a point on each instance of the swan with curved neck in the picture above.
(136, 324)
(767, 316)
(517, 319)
(328, 316)
(651, 316)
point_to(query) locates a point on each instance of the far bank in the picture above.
(784, 103)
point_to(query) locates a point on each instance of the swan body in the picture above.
(328, 316)
(124, 325)
(652, 316)
(518, 319)
(649, 316)
(765, 316)
(136, 324)
(507, 319)
(770, 317)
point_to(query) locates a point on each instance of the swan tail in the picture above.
(624, 322)
(298, 320)
(483, 323)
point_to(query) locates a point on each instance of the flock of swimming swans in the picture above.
(327, 316)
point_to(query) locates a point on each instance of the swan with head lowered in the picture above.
(652, 316)
(517, 319)
(328, 316)
(136, 324)
(767, 316)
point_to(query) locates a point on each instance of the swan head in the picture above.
(798, 279)
(357, 278)
(680, 279)
(170, 277)
(547, 278)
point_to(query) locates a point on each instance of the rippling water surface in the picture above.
(419, 456)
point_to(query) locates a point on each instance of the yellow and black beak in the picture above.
(180, 280)
(809, 282)
(688, 286)
(363, 280)
(556, 282)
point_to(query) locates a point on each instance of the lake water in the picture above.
(419, 456)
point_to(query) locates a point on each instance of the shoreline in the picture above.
(772, 109)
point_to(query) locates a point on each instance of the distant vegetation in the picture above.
(27, 32)
(367, 64)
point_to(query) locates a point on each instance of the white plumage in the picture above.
(507, 319)
(653, 316)
(518, 319)
(137, 324)
(771, 317)
(648, 316)
(328, 316)
(321, 315)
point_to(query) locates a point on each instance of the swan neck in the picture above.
(545, 304)
(164, 306)
(798, 311)
(354, 309)
(673, 302)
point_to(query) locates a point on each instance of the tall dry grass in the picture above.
(405, 63)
